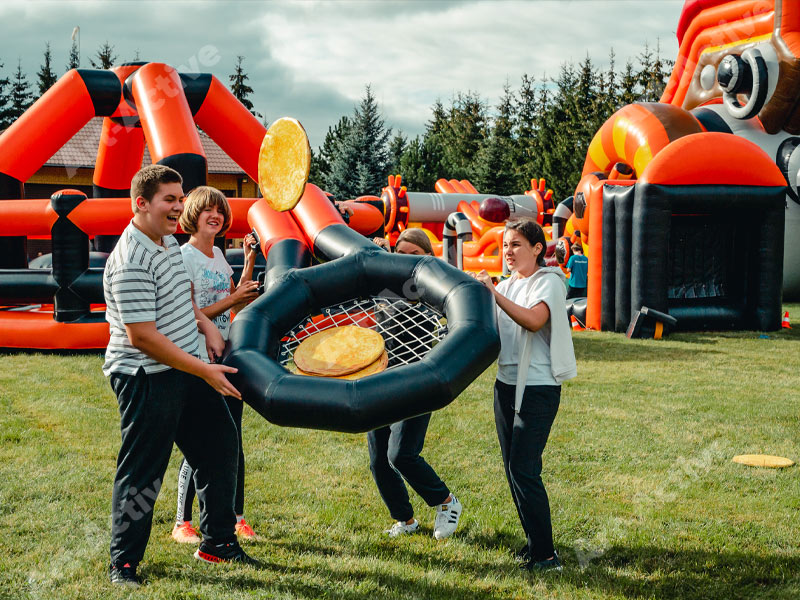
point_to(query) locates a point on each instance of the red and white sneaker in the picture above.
(184, 533)
(244, 531)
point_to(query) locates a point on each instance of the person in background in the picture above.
(394, 450)
(207, 216)
(536, 355)
(578, 269)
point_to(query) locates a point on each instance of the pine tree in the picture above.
(464, 136)
(5, 108)
(329, 150)
(438, 122)
(396, 148)
(74, 57)
(315, 174)
(46, 76)
(361, 164)
(609, 87)
(21, 95)
(495, 173)
(239, 87)
(525, 157)
(559, 130)
(628, 92)
(655, 80)
(421, 163)
(105, 57)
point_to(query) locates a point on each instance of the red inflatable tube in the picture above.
(468, 187)
(272, 226)
(457, 187)
(164, 112)
(713, 159)
(314, 213)
(37, 329)
(491, 240)
(231, 126)
(239, 210)
(444, 187)
(119, 155)
(365, 218)
(124, 108)
(46, 126)
(121, 148)
(102, 216)
(26, 217)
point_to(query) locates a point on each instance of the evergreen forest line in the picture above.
(541, 128)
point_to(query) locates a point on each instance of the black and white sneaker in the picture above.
(447, 516)
(124, 575)
(224, 553)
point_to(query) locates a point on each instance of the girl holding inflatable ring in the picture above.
(536, 355)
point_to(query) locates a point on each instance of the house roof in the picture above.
(81, 151)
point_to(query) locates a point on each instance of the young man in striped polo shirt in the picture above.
(165, 392)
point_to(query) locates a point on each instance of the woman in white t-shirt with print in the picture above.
(536, 355)
(206, 216)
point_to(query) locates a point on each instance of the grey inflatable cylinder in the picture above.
(424, 206)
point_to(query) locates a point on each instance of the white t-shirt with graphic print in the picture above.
(211, 282)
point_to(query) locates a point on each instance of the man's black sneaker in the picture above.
(540, 566)
(124, 575)
(223, 553)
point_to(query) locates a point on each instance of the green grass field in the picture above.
(646, 501)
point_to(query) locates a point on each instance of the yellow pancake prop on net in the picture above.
(377, 367)
(284, 162)
(763, 460)
(338, 351)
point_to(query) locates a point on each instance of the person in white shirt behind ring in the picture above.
(206, 216)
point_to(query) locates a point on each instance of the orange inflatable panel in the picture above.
(27, 217)
(37, 329)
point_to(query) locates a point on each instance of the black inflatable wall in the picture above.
(709, 255)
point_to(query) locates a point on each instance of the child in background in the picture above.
(578, 269)
(206, 216)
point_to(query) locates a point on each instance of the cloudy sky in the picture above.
(311, 59)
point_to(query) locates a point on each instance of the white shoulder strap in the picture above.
(522, 369)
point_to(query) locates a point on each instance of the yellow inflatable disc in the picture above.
(284, 162)
(339, 351)
(763, 460)
(376, 367)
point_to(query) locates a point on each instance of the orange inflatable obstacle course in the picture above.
(465, 227)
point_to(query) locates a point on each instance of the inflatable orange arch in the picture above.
(635, 134)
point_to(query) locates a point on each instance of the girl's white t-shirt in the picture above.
(211, 282)
(539, 372)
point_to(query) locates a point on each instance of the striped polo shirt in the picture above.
(145, 282)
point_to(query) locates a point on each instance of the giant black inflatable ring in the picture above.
(361, 269)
